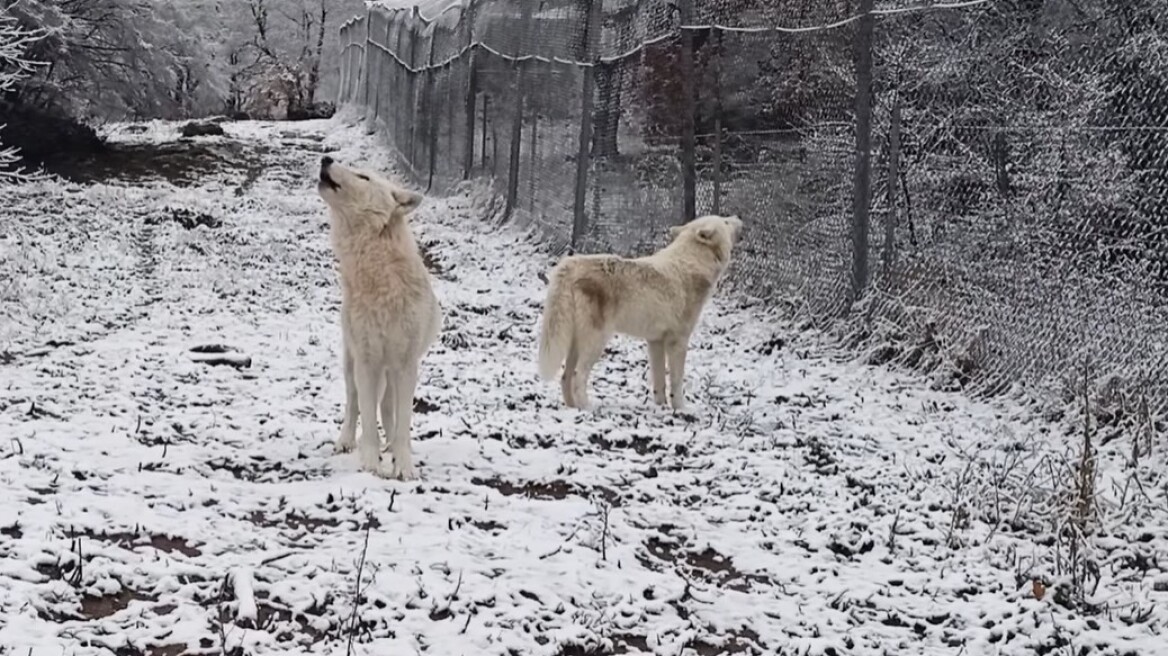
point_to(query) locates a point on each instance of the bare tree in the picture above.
(14, 66)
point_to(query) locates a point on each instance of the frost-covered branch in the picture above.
(14, 66)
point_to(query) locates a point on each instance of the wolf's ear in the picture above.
(707, 235)
(675, 231)
(407, 201)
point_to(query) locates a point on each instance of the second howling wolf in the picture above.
(657, 298)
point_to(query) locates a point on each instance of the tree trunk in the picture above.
(314, 72)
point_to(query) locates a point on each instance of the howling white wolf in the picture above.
(389, 314)
(657, 298)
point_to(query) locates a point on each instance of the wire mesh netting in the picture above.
(1006, 226)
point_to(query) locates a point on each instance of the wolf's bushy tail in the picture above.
(556, 329)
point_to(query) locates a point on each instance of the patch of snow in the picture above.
(808, 505)
(241, 584)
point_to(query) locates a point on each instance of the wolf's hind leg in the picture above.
(657, 370)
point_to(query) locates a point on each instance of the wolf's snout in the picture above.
(326, 180)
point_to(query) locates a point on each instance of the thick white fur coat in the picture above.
(658, 298)
(389, 314)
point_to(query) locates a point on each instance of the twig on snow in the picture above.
(357, 591)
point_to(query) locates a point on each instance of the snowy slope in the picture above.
(154, 504)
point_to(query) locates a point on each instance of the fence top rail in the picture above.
(416, 9)
(461, 5)
(637, 49)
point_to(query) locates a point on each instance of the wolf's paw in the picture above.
(403, 462)
(370, 460)
(345, 443)
(403, 472)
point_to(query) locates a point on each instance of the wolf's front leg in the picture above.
(568, 380)
(371, 386)
(348, 437)
(675, 352)
(657, 370)
(388, 411)
(403, 457)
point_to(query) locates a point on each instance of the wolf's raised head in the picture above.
(718, 233)
(363, 199)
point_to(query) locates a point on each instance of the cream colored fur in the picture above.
(657, 298)
(389, 314)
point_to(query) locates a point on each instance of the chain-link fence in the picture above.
(978, 188)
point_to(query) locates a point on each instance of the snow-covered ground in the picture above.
(157, 504)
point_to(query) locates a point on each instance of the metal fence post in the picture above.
(517, 118)
(589, 56)
(378, 74)
(893, 197)
(356, 65)
(483, 130)
(863, 181)
(411, 72)
(345, 54)
(472, 90)
(359, 69)
(344, 94)
(451, 101)
(430, 115)
(532, 151)
(717, 204)
(402, 117)
(365, 59)
(689, 111)
(382, 71)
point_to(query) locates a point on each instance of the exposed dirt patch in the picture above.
(220, 355)
(633, 643)
(158, 650)
(639, 444)
(97, 607)
(550, 490)
(58, 571)
(707, 564)
(273, 616)
(181, 163)
(166, 650)
(201, 129)
(286, 625)
(292, 520)
(259, 468)
(585, 650)
(487, 525)
(433, 263)
(187, 219)
(555, 489)
(301, 522)
(621, 646)
(163, 543)
(742, 641)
